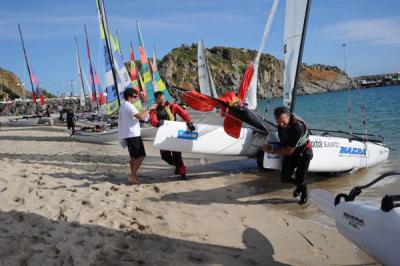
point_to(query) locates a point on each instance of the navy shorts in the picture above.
(135, 147)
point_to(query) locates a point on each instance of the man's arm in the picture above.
(294, 136)
(283, 151)
(145, 113)
(176, 108)
(153, 118)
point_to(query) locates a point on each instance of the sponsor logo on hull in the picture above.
(184, 134)
(353, 220)
(324, 144)
(352, 151)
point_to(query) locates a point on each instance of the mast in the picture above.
(104, 24)
(29, 69)
(80, 73)
(92, 77)
(303, 37)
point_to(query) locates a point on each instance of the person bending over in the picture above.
(296, 151)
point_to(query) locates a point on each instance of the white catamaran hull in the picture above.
(24, 122)
(106, 136)
(331, 154)
(367, 226)
(335, 154)
(206, 139)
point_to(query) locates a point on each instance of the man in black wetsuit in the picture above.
(297, 150)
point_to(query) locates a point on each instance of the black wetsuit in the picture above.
(293, 135)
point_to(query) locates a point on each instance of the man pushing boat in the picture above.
(297, 150)
(168, 111)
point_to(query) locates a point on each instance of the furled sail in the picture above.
(206, 83)
(145, 68)
(160, 85)
(294, 26)
(82, 98)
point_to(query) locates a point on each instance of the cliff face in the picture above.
(11, 84)
(227, 66)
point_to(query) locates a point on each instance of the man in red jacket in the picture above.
(168, 111)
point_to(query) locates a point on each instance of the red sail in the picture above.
(232, 126)
(244, 86)
(200, 102)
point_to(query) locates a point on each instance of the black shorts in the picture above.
(135, 147)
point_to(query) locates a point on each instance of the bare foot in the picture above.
(134, 180)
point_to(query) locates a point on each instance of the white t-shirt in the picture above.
(128, 124)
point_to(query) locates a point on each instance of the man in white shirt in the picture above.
(129, 132)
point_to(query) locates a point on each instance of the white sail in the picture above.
(251, 97)
(78, 63)
(206, 82)
(294, 24)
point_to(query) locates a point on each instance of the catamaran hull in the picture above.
(335, 154)
(331, 154)
(206, 139)
(367, 226)
(24, 122)
(96, 137)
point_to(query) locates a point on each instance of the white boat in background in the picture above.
(373, 229)
(92, 136)
(25, 121)
(147, 131)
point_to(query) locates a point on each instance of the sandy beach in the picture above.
(69, 203)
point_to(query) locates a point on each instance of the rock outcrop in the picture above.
(227, 66)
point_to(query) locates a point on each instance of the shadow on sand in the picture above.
(31, 239)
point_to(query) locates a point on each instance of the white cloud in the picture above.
(382, 31)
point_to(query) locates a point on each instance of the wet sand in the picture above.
(68, 203)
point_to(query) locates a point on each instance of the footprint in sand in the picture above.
(87, 203)
(19, 199)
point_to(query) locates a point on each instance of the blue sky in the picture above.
(370, 28)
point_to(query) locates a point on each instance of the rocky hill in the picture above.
(12, 85)
(227, 66)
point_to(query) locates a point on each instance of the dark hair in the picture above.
(129, 92)
(280, 111)
(158, 93)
